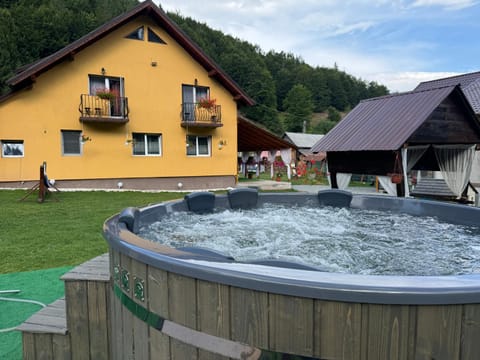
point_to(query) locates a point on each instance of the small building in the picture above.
(304, 143)
(135, 102)
(470, 85)
(394, 134)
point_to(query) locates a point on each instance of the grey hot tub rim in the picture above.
(210, 265)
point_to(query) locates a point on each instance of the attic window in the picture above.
(152, 37)
(137, 34)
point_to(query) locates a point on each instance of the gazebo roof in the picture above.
(253, 137)
(386, 123)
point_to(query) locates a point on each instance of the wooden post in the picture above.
(41, 185)
(333, 179)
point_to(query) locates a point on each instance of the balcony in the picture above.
(94, 109)
(194, 115)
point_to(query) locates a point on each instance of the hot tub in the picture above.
(192, 302)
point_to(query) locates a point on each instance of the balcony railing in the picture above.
(95, 109)
(194, 115)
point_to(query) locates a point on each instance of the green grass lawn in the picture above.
(54, 234)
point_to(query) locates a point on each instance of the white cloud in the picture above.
(408, 80)
(375, 40)
(447, 4)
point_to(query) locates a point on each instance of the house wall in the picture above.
(37, 116)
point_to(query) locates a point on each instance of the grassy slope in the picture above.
(53, 234)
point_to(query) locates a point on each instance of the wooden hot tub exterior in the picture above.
(174, 304)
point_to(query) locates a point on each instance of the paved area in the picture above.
(283, 185)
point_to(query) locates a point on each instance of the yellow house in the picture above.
(133, 104)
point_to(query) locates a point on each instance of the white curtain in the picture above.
(343, 179)
(271, 159)
(410, 157)
(386, 182)
(258, 158)
(286, 155)
(244, 162)
(455, 162)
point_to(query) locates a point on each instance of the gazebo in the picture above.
(252, 138)
(434, 129)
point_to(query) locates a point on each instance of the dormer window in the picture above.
(153, 37)
(139, 34)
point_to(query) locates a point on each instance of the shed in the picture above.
(379, 132)
(304, 143)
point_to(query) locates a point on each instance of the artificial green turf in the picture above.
(64, 233)
(44, 286)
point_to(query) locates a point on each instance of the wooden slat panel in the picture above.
(249, 317)
(213, 313)
(388, 332)
(28, 343)
(338, 328)
(77, 322)
(140, 328)
(182, 309)
(127, 316)
(291, 324)
(158, 303)
(43, 347)
(116, 323)
(97, 319)
(61, 347)
(471, 331)
(438, 332)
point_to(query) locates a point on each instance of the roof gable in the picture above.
(387, 122)
(469, 83)
(27, 74)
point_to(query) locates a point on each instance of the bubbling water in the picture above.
(336, 240)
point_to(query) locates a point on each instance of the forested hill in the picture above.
(286, 89)
(274, 78)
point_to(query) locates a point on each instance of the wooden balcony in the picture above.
(194, 115)
(94, 109)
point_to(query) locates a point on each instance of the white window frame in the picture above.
(18, 144)
(145, 141)
(209, 144)
(79, 132)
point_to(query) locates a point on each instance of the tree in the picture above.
(299, 108)
(333, 114)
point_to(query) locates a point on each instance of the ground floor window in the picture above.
(147, 144)
(198, 145)
(12, 148)
(71, 142)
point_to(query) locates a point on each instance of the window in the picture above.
(71, 142)
(152, 37)
(12, 148)
(111, 84)
(137, 34)
(198, 145)
(190, 96)
(147, 144)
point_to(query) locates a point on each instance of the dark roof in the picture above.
(384, 123)
(27, 74)
(253, 137)
(469, 83)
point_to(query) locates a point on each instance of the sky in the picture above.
(397, 43)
